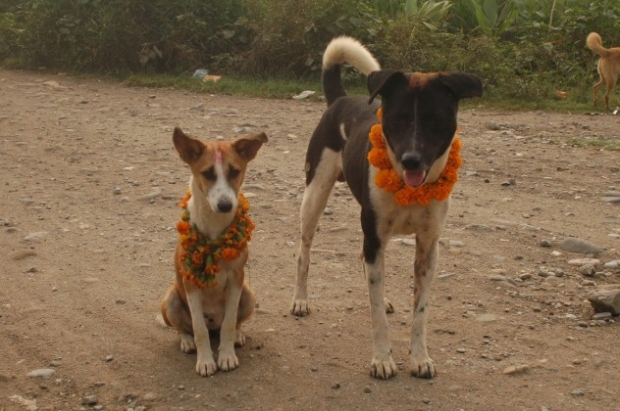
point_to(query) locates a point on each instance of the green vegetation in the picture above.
(526, 51)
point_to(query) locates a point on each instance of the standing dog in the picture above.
(419, 120)
(210, 292)
(608, 66)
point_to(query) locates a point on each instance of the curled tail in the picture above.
(344, 50)
(595, 43)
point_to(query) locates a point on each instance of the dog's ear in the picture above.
(188, 148)
(384, 81)
(247, 146)
(463, 85)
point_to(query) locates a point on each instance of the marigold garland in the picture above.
(389, 180)
(201, 256)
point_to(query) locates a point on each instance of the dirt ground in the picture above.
(88, 193)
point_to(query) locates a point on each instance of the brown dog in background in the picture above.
(608, 66)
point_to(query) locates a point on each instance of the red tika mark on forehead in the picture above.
(419, 80)
(218, 157)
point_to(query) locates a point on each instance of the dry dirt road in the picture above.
(88, 193)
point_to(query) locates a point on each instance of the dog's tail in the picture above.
(339, 51)
(595, 43)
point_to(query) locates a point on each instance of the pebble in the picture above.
(109, 358)
(587, 269)
(335, 386)
(577, 245)
(516, 369)
(328, 211)
(584, 261)
(90, 400)
(21, 254)
(44, 373)
(156, 192)
(601, 316)
(577, 393)
(36, 236)
(117, 191)
(545, 243)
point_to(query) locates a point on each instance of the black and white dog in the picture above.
(419, 124)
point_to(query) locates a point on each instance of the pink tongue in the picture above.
(414, 178)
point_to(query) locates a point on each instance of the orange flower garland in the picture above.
(200, 256)
(388, 179)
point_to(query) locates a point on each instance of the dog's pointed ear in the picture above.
(463, 85)
(247, 146)
(382, 82)
(189, 149)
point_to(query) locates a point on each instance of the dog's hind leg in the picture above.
(315, 199)
(598, 85)
(176, 315)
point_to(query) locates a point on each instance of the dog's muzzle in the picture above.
(413, 174)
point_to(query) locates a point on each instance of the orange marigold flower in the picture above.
(379, 158)
(389, 180)
(230, 253)
(197, 258)
(376, 136)
(183, 227)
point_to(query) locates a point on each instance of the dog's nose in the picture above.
(411, 161)
(224, 206)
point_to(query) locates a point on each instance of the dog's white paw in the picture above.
(206, 367)
(300, 308)
(187, 343)
(227, 361)
(239, 339)
(383, 369)
(423, 368)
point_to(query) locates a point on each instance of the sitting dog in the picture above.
(210, 292)
(608, 66)
(401, 178)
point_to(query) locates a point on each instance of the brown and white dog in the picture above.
(218, 170)
(419, 123)
(608, 66)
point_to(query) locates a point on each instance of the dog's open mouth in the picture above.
(414, 178)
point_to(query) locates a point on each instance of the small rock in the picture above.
(335, 386)
(584, 261)
(44, 373)
(36, 236)
(577, 393)
(576, 245)
(587, 269)
(516, 369)
(367, 390)
(90, 400)
(117, 191)
(545, 243)
(328, 211)
(109, 358)
(601, 316)
(21, 254)
(606, 298)
(461, 350)
(156, 192)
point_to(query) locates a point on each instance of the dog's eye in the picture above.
(233, 173)
(210, 174)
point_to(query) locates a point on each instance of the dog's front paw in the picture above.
(424, 368)
(206, 368)
(227, 361)
(187, 343)
(383, 369)
(239, 339)
(300, 307)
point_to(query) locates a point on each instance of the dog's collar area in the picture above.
(200, 256)
(388, 179)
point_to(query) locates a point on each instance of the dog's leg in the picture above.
(246, 308)
(175, 315)
(425, 263)
(205, 364)
(227, 358)
(611, 83)
(598, 85)
(382, 365)
(313, 204)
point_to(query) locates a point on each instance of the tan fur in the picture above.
(191, 310)
(419, 80)
(608, 66)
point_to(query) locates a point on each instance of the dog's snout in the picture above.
(411, 161)
(224, 205)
